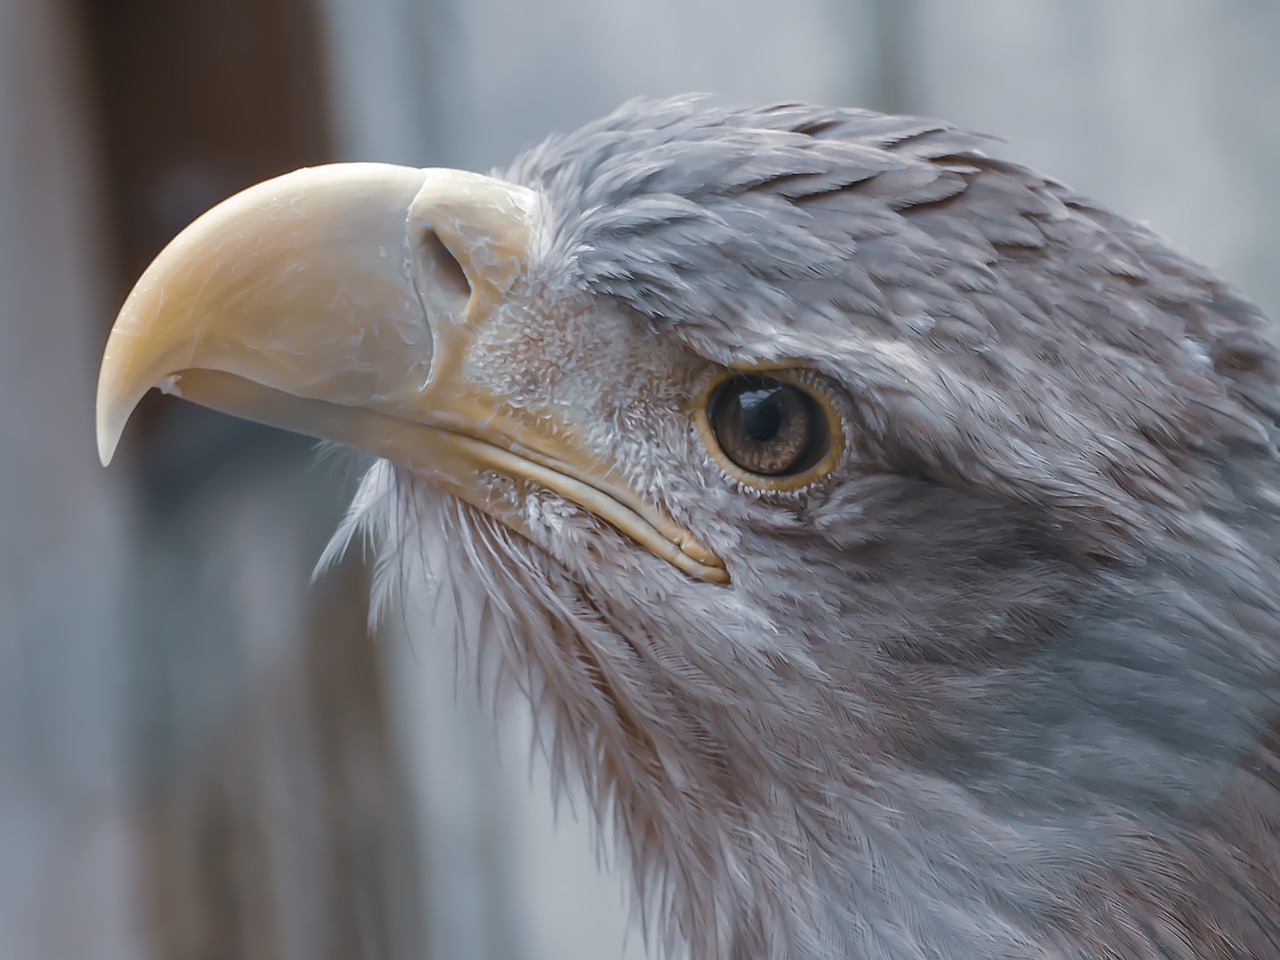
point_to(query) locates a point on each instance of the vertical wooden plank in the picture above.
(66, 866)
(270, 821)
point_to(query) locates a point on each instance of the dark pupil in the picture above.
(761, 413)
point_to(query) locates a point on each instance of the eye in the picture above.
(778, 433)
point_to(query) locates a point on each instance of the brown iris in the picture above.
(767, 426)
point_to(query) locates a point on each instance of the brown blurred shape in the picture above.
(271, 820)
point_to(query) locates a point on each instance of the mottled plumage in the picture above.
(1004, 685)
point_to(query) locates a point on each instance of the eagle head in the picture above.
(884, 534)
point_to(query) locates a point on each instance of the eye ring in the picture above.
(777, 430)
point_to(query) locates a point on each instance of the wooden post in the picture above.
(67, 869)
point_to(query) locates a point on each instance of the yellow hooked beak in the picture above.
(342, 302)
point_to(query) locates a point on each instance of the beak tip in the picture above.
(108, 439)
(111, 412)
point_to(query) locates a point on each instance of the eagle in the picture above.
(885, 535)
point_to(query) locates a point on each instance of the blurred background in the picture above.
(202, 755)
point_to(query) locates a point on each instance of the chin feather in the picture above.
(528, 631)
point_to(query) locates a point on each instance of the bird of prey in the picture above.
(886, 535)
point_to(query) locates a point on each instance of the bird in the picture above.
(885, 536)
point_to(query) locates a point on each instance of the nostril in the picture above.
(449, 276)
